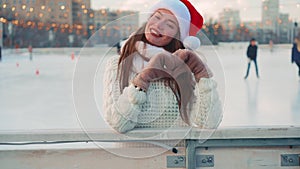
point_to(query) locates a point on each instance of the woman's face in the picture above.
(161, 28)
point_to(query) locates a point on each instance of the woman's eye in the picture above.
(170, 26)
(157, 17)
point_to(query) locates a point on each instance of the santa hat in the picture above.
(189, 19)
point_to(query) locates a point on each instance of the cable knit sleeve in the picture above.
(206, 111)
(120, 110)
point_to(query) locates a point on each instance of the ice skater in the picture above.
(271, 45)
(296, 53)
(252, 55)
(0, 54)
(30, 52)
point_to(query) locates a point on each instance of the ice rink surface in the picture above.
(37, 94)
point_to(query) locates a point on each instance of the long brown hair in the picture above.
(182, 91)
(125, 61)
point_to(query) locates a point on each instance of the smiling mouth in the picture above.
(155, 33)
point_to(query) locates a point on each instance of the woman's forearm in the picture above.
(120, 110)
(207, 108)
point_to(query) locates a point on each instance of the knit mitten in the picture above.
(162, 65)
(198, 68)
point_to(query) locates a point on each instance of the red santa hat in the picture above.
(189, 19)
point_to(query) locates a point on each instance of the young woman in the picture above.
(158, 83)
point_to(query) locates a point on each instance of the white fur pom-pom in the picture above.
(191, 42)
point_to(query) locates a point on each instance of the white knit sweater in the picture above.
(158, 107)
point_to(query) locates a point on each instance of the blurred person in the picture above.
(271, 45)
(0, 53)
(17, 47)
(296, 52)
(252, 56)
(157, 82)
(120, 44)
(30, 52)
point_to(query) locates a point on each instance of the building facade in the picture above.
(54, 11)
(270, 20)
(112, 26)
(229, 20)
(52, 23)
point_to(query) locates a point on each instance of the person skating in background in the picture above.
(296, 53)
(252, 55)
(30, 52)
(0, 54)
(271, 45)
(120, 44)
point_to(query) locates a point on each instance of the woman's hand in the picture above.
(163, 65)
(198, 68)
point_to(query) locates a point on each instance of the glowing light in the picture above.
(91, 27)
(82, 6)
(13, 8)
(23, 7)
(85, 11)
(16, 22)
(4, 5)
(79, 27)
(62, 7)
(3, 20)
(31, 9)
(43, 7)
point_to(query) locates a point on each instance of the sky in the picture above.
(250, 10)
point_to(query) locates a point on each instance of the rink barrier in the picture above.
(247, 147)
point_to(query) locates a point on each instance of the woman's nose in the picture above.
(160, 24)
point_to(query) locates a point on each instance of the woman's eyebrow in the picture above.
(168, 19)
